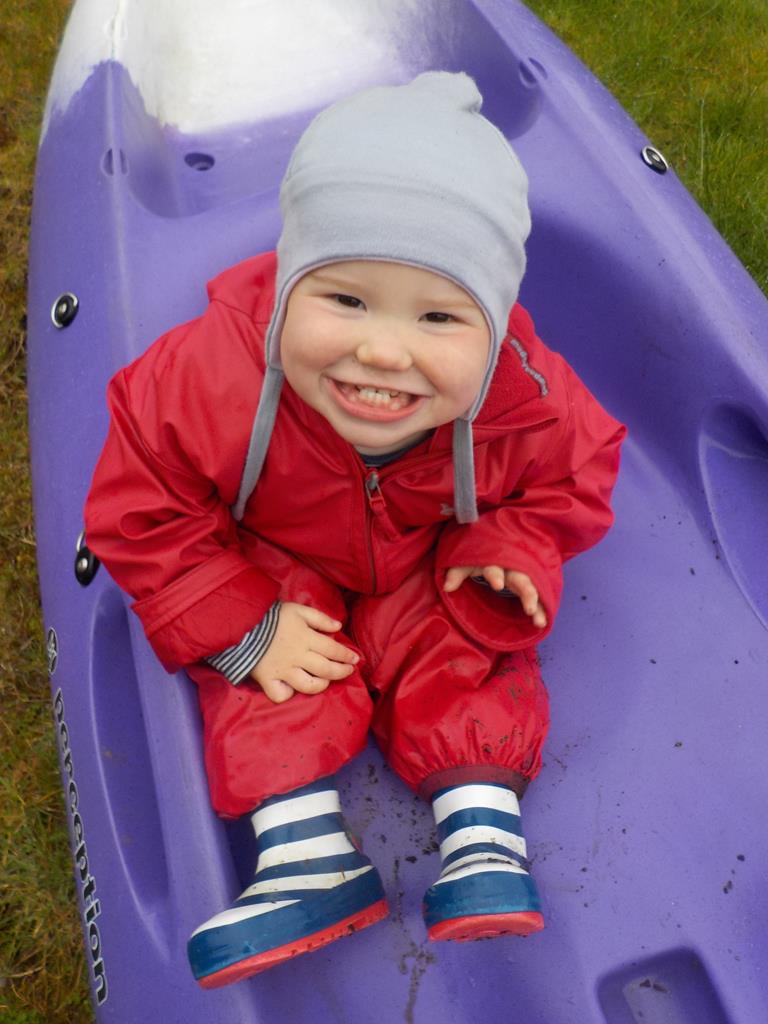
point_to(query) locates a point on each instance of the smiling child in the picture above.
(341, 499)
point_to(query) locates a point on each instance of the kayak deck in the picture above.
(645, 825)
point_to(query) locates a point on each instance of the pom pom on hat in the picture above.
(453, 87)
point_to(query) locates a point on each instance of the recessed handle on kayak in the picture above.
(733, 460)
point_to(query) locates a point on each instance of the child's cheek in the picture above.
(464, 380)
(330, 343)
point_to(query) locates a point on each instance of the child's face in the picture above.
(384, 351)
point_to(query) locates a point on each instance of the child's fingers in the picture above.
(494, 575)
(522, 585)
(277, 690)
(455, 576)
(540, 617)
(318, 620)
(306, 682)
(517, 582)
(322, 668)
(332, 649)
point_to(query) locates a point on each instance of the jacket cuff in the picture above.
(207, 610)
(237, 662)
(497, 620)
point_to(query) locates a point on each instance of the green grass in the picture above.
(693, 73)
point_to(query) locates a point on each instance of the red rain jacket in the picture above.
(158, 513)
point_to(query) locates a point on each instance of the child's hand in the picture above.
(301, 657)
(500, 579)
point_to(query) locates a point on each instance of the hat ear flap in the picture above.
(261, 434)
(464, 499)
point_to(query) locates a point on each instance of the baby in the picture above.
(342, 499)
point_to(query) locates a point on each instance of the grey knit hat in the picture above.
(413, 174)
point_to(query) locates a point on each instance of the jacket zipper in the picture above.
(378, 506)
(371, 485)
(379, 514)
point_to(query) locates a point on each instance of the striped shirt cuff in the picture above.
(238, 661)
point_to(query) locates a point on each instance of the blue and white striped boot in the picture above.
(484, 888)
(312, 885)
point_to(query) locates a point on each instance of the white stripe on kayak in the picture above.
(241, 914)
(480, 834)
(305, 849)
(490, 867)
(227, 64)
(297, 809)
(475, 795)
(320, 881)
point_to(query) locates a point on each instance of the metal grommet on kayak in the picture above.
(86, 563)
(654, 159)
(64, 310)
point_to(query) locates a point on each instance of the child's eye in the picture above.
(349, 300)
(438, 318)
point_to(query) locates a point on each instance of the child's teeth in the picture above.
(378, 395)
(389, 397)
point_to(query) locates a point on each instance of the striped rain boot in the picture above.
(312, 885)
(484, 888)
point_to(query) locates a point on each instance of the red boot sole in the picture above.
(486, 926)
(263, 961)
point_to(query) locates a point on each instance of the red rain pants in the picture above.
(443, 709)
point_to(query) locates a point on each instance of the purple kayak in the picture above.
(167, 131)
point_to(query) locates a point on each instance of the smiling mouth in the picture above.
(379, 398)
(373, 403)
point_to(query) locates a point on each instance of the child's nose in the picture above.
(384, 352)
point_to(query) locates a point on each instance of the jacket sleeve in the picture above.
(156, 515)
(559, 507)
